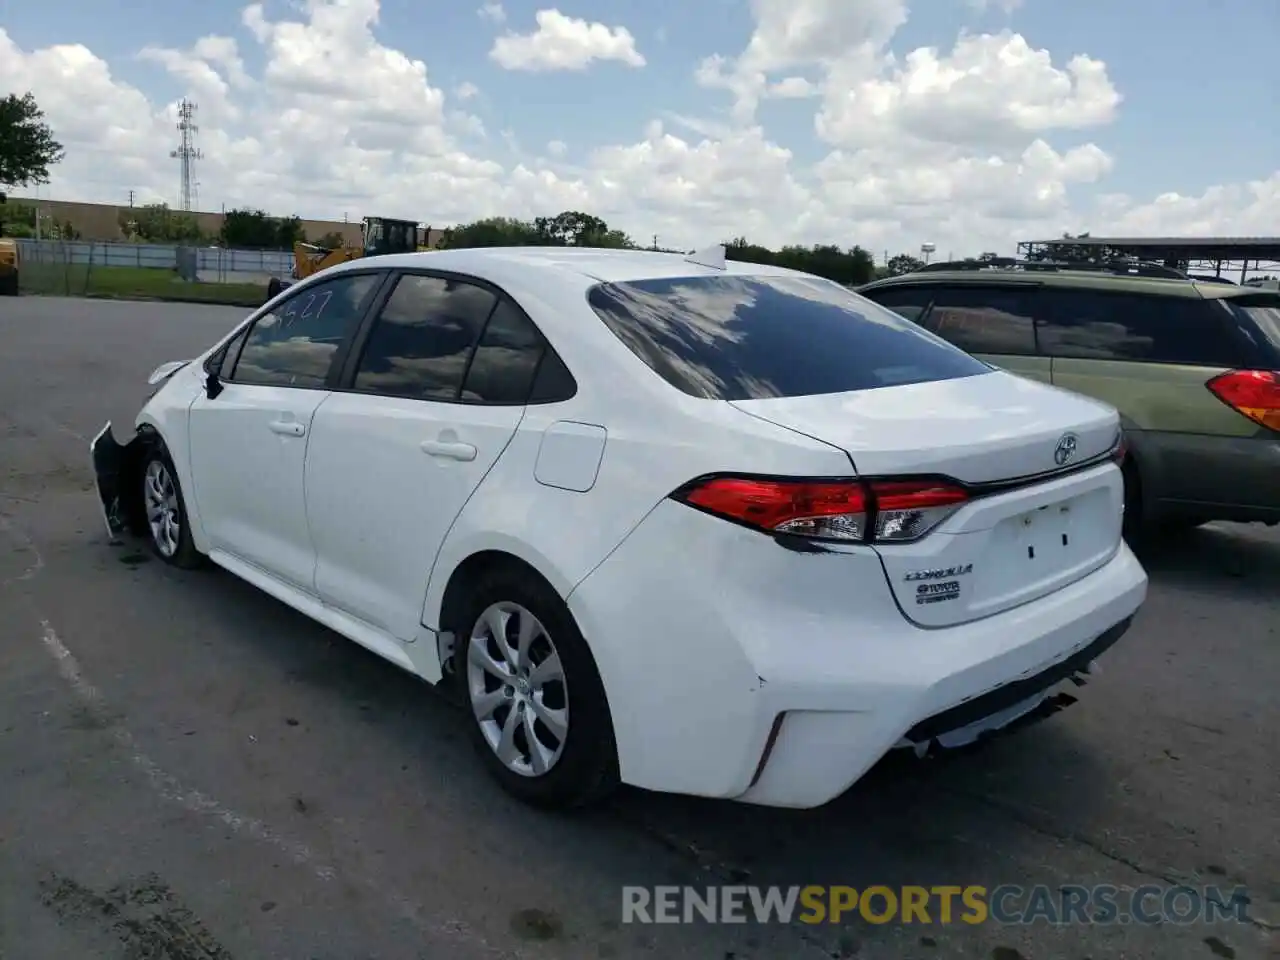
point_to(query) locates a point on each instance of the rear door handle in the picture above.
(287, 428)
(453, 450)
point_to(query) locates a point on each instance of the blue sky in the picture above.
(1199, 89)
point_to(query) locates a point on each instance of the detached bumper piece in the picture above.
(935, 731)
(111, 462)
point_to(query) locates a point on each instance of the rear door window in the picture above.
(755, 337)
(420, 345)
(985, 319)
(1097, 325)
(909, 302)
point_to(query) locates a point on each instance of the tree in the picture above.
(571, 228)
(156, 223)
(256, 230)
(903, 263)
(27, 146)
(852, 267)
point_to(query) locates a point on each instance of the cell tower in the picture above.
(187, 153)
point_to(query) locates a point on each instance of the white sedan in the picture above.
(701, 527)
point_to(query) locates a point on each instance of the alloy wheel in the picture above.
(160, 495)
(517, 688)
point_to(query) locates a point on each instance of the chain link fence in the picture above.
(69, 268)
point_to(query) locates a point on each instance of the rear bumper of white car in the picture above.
(738, 668)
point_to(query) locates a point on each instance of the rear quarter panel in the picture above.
(1176, 427)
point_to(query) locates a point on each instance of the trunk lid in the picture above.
(1035, 522)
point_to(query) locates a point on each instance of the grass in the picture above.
(131, 283)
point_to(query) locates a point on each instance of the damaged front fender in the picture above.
(117, 472)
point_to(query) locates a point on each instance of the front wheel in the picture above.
(538, 713)
(166, 511)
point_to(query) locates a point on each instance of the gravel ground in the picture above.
(189, 770)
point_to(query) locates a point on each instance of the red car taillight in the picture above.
(852, 511)
(1120, 449)
(1254, 393)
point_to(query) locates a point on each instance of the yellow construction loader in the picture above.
(379, 235)
(8, 267)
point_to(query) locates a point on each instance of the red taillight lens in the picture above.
(1120, 450)
(829, 510)
(889, 511)
(1254, 393)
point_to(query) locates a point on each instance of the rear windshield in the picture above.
(747, 338)
(1264, 311)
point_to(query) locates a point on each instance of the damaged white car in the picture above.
(702, 527)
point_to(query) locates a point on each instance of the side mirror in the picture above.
(212, 385)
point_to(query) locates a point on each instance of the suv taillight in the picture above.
(852, 511)
(1254, 393)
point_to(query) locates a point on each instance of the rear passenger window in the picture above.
(1094, 325)
(553, 382)
(421, 342)
(505, 360)
(908, 302)
(993, 320)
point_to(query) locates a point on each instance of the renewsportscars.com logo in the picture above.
(972, 904)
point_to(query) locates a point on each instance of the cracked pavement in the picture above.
(191, 771)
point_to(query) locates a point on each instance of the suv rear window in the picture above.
(750, 337)
(1263, 311)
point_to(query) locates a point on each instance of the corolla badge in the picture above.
(1066, 448)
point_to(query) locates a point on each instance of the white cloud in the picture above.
(492, 12)
(972, 147)
(565, 43)
(1004, 6)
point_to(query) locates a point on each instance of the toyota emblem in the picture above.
(1066, 449)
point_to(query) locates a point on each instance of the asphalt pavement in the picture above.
(191, 771)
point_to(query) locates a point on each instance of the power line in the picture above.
(187, 153)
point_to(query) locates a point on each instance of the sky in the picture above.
(969, 124)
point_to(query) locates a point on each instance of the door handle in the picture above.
(453, 450)
(287, 428)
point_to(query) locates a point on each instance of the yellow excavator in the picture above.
(8, 267)
(379, 235)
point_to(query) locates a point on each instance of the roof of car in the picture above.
(1164, 286)
(580, 265)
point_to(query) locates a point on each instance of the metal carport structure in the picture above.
(1180, 253)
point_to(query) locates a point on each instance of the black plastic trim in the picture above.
(1017, 691)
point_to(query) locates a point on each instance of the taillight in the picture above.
(908, 509)
(1254, 393)
(853, 511)
(824, 509)
(1120, 449)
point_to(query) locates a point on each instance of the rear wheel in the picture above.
(166, 513)
(9, 284)
(538, 713)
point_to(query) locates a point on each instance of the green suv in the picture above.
(1193, 368)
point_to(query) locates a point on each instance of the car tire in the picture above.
(165, 510)
(9, 284)
(513, 715)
